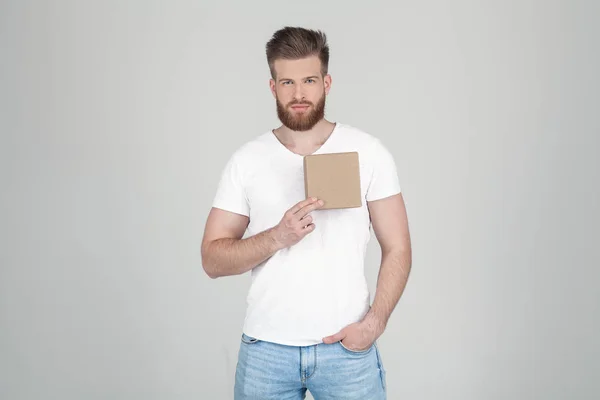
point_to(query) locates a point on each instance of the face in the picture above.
(300, 90)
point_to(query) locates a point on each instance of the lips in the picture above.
(300, 107)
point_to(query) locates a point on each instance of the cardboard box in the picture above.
(334, 178)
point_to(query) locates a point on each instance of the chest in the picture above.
(277, 187)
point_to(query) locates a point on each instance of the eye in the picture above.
(310, 80)
(286, 82)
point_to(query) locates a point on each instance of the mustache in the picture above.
(299, 103)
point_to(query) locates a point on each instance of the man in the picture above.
(309, 324)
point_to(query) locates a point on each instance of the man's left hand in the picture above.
(357, 336)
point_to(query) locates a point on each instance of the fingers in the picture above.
(306, 220)
(303, 204)
(309, 208)
(297, 222)
(308, 229)
(299, 212)
(334, 338)
(306, 225)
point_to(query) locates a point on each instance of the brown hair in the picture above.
(293, 43)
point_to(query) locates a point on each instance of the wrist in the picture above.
(373, 323)
(273, 236)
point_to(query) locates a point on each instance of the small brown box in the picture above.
(334, 178)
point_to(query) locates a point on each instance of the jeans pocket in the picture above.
(355, 352)
(248, 339)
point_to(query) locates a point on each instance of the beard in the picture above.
(301, 121)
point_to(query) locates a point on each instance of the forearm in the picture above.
(225, 257)
(392, 279)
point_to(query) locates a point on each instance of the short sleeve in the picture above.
(231, 195)
(384, 177)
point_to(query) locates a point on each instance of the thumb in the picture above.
(334, 338)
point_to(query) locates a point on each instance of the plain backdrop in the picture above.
(117, 117)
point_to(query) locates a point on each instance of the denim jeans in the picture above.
(329, 371)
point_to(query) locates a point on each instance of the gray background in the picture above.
(117, 117)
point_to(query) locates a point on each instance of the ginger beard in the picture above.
(301, 120)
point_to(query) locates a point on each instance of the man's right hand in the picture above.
(296, 223)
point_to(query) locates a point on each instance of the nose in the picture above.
(299, 93)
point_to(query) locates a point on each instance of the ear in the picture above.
(272, 86)
(327, 83)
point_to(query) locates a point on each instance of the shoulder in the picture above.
(251, 151)
(368, 144)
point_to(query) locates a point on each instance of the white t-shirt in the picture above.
(316, 287)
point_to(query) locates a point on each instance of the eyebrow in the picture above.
(308, 77)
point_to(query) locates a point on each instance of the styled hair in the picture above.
(294, 43)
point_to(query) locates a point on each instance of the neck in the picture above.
(307, 140)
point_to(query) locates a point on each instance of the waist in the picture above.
(303, 319)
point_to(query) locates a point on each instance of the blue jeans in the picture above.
(329, 371)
